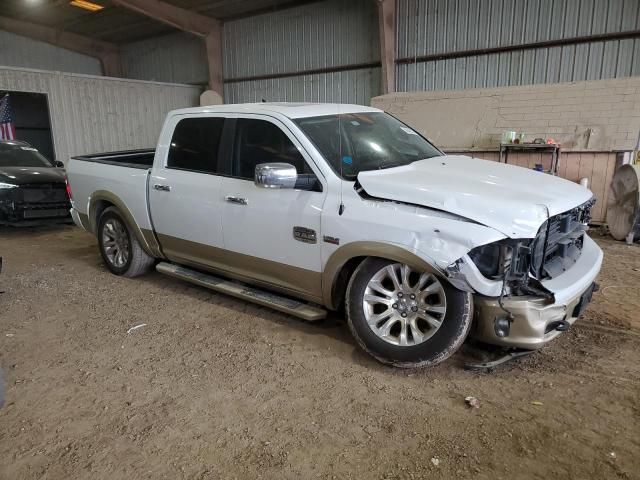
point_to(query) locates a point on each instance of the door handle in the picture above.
(238, 200)
(162, 188)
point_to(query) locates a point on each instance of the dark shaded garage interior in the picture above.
(386, 239)
(32, 120)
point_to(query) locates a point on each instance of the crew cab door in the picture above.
(184, 188)
(273, 235)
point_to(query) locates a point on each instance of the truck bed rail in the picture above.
(142, 158)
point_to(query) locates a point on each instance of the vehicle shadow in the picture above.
(12, 231)
(333, 328)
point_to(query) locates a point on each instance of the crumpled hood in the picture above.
(513, 200)
(31, 175)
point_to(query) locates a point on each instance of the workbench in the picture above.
(551, 148)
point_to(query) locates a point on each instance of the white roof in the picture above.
(288, 109)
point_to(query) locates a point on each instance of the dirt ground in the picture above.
(212, 387)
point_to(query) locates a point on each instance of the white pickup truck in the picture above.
(313, 207)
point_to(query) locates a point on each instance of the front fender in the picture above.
(394, 252)
(430, 250)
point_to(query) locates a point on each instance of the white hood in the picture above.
(513, 200)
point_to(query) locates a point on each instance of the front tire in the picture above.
(119, 247)
(403, 317)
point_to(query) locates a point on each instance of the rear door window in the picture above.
(195, 145)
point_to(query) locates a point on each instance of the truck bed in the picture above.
(142, 158)
(105, 176)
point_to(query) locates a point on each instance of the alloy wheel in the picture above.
(115, 242)
(404, 307)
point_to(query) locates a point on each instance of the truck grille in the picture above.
(559, 242)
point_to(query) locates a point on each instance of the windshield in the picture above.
(19, 156)
(357, 142)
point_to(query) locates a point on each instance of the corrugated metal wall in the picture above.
(354, 86)
(93, 114)
(334, 35)
(321, 35)
(428, 27)
(177, 58)
(19, 51)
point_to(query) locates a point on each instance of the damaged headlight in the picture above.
(506, 259)
(487, 259)
(510, 261)
(537, 251)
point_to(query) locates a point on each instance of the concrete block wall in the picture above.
(600, 115)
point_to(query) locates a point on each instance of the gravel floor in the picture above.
(212, 387)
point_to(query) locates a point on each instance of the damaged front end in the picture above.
(511, 262)
(502, 268)
(520, 286)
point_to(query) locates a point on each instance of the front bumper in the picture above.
(535, 319)
(36, 213)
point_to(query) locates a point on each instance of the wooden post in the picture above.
(188, 21)
(214, 58)
(387, 29)
(111, 64)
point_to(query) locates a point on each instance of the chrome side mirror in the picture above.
(275, 175)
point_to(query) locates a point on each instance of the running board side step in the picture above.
(299, 309)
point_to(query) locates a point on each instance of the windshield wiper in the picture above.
(392, 165)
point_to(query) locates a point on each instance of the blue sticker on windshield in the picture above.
(347, 160)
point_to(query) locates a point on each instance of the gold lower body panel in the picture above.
(295, 281)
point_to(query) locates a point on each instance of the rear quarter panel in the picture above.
(92, 181)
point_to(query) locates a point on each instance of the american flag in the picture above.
(7, 128)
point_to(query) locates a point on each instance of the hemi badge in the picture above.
(333, 240)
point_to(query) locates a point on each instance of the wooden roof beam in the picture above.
(188, 21)
(180, 18)
(68, 40)
(108, 53)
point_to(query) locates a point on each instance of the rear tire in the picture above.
(119, 247)
(406, 318)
